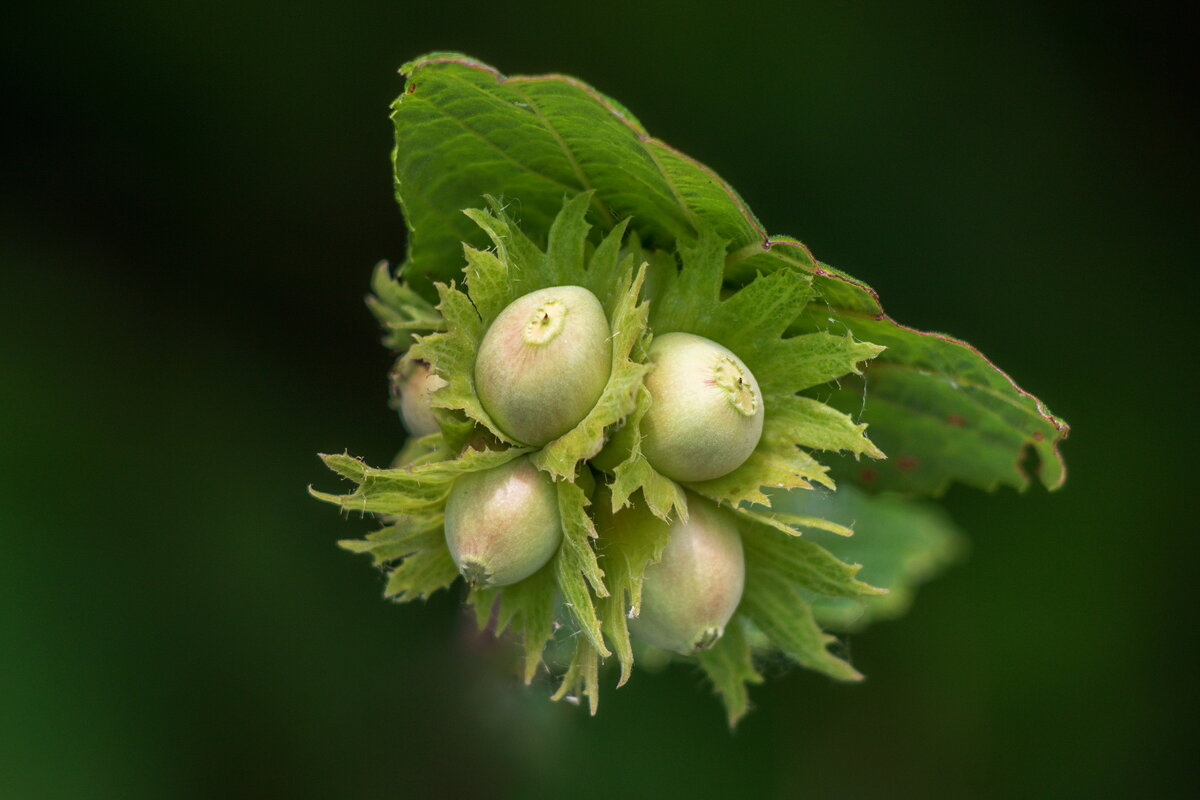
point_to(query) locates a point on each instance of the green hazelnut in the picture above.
(502, 524)
(413, 381)
(706, 411)
(543, 363)
(690, 594)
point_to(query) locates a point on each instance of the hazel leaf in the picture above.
(451, 354)
(901, 544)
(817, 426)
(803, 361)
(729, 664)
(401, 311)
(790, 524)
(526, 606)
(582, 678)
(759, 313)
(347, 466)
(663, 496)
(422, 450)
(566, 244)
(576, 566)
(773, 604)
(629, 541)
(415, 489)
(805, 563)
(939, 428)
(413, 551)
(404, 536)
(421, 574)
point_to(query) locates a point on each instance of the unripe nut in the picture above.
(413, 383)
(543, 363)
(690, 594)
(502, 524)
(706, 411)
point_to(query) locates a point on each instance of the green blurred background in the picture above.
(193, 197)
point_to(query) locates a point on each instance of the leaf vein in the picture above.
(609, 219)
(503, 153)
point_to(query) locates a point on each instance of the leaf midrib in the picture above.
(643, 140)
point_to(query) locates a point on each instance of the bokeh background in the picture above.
(193, 195)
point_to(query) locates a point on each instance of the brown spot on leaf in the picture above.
(957, 420)
(867, 475)
(1038, 436)
(412, 87)
(907, 463)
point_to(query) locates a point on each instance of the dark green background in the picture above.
(193, 197)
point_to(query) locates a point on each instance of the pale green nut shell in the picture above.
(706, 411)
(502, 524)
(543, 363)
(690, 594)
(413, 383)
